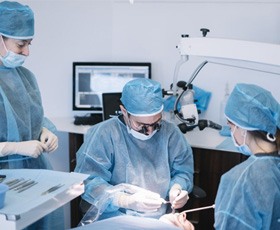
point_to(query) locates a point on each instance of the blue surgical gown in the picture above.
(249, 195)
(111, 156)
(22, 119)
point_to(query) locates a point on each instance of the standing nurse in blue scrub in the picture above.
(24, 132)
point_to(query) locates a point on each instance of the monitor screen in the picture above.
(92, 79)
(111, 105)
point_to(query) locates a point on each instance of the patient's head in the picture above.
(177, 219)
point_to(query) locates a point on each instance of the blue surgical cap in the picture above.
(16, 20)
(253, 108)
(142, 97)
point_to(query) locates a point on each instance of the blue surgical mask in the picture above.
(244, 149)
(11, 59)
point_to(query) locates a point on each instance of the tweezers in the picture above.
(13, 182)
(20, 184)
(52, 189)
(24, 185)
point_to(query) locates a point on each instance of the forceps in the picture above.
(21, 184)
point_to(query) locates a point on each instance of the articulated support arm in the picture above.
(265, 53)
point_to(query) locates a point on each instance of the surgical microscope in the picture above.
(226, 49)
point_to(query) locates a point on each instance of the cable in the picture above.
(193, 76)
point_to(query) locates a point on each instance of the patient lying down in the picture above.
(177, 219)
(167, 222)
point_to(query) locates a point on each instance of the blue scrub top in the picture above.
(249, 195)
(21, 115)
(113, 156)
(22, 119)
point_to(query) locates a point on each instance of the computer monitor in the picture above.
(92, 79)
(111, 105)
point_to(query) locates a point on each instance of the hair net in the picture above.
(142, 97)
(253, 108)
(16, 20)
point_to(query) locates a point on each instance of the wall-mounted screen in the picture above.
(92, 79)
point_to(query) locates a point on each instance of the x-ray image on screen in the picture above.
(91, 80)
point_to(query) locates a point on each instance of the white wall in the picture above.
(114, 30)
(150, 31)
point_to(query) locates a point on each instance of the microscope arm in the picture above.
(230, 49)
(265, 53)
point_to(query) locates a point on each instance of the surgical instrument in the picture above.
(198, 209)
(13, 182)
(27, 187)
(168, 202)
(24, 185)
(52, 189)
(19, 184)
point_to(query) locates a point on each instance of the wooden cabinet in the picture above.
(75, 141)
(209, 166)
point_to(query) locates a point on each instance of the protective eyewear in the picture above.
(144, 128)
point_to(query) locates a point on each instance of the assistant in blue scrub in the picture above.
(25, 134)
(249, 194)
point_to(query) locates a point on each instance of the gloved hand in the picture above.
(50, 139)
(178, 197)
(139, 201)
(26, 148)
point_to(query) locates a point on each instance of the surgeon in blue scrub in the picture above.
(136, 161)
(24, 132)
(249, 194)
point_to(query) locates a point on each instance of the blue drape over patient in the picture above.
(112, 156)
(128, 223)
